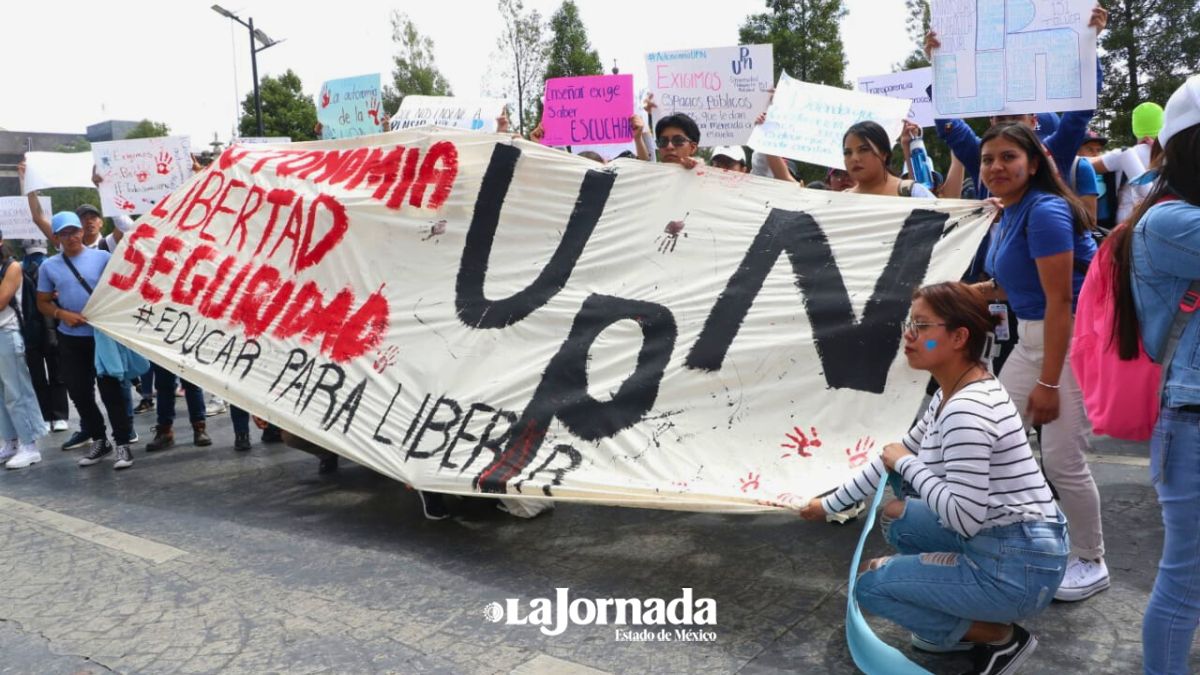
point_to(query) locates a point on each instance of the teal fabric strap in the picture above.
(872, 655)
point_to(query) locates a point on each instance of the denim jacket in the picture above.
(1166, 258)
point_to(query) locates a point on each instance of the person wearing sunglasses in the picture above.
(980, 541)
(678, 137)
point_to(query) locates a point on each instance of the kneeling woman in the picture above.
(981, 542)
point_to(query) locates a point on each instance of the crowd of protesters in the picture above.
(985, 534)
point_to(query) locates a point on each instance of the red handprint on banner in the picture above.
(324, 97)
(801, 442)
(141, 174)
(858, 456)
(162, 164)
(750, 481)
(385, 358)
(669, 239)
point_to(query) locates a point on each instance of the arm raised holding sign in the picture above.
(35, 208)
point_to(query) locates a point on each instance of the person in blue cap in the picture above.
(65, 282)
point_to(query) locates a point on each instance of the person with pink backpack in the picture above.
(1156, 266)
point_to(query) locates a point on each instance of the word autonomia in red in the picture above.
(254, 296)
(222, 205)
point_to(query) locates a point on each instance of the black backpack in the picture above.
(35, 329)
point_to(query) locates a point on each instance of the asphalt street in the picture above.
(208, 560)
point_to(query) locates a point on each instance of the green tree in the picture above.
(916, 24)
(287, 111)
(148, 129)
(569, 53)
(1150, 47)
(806, 36)
(413, 69)
(522, 45)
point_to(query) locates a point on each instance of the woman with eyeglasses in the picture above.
(867, 153)
(678, 137)
(980, 542)
(1037, 258)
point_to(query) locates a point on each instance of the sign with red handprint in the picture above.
(350, 107)
(135, 174)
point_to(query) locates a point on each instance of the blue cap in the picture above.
(64, 219)
(1047, 124)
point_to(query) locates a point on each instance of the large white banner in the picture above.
(57, 169)
(16, 221)
(807, 121)
(473, 314)
(722, 88)
(1004, 58)
(475, 114)
(910, 85)
(135, 174)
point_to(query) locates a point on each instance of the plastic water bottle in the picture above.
(922, 171)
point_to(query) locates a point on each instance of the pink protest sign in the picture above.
(591, 110)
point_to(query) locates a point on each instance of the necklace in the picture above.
(954, 388)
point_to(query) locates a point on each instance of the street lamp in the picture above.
(256, 37)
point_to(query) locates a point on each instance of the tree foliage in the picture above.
(807, 38)
(287, 111)
(148, 129)
(522, 46)
(414, 70)
(1150, 48)
(916, 25)
(569, 53)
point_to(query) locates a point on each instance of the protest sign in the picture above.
(1000, 58)
(910, 85)
(807, 121)
(136, 174)
(723, 88)
(475, 114)
(474, 314)
(593, 109)
(57, 169)
(16, 222)
(350, 107)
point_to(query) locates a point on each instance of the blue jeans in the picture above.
(20, 416)
(146, 384)
(1174, 609)
(941, 582)
(164, 382)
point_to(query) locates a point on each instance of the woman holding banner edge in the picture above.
(980, 540)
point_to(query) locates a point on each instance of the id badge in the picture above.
(1000, 311)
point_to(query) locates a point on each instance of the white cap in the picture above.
(1182, 110)
(733, 152)
(33, 246)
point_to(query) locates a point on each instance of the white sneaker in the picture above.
(215, 407)
(1084, 578)
(27, 455)
(8, 451)
(59, 425)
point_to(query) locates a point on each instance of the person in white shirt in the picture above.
(980, 540)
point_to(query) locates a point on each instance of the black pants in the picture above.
(77, 356)
(47, 384)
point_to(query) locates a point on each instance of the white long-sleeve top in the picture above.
(973, 465)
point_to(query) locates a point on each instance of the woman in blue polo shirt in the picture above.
(1037, 259)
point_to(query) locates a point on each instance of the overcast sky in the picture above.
(73, 63)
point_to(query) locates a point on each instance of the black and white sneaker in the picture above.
(99, 449)
(1003, 659)
(124, 457)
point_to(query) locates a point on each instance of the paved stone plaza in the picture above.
(206, 561)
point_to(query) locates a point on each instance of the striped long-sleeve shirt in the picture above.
(973, 465)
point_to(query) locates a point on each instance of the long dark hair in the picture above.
(1179, 176)
(876, 137)
(1047, 178)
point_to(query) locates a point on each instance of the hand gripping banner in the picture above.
(476, 315)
